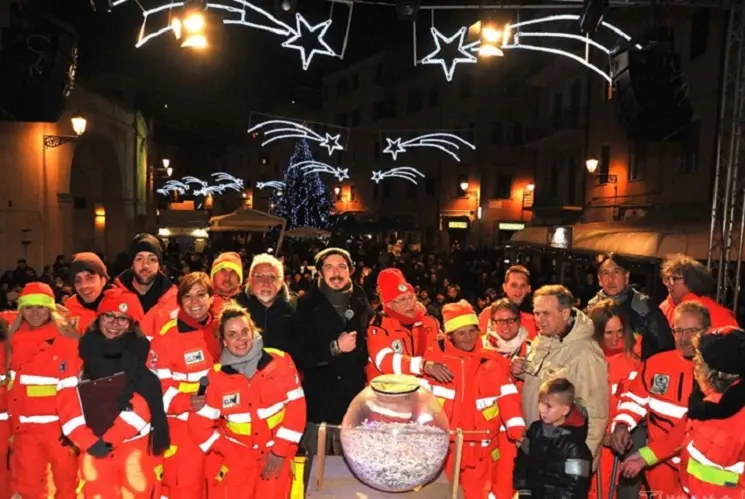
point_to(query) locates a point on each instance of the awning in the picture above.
(629, 238)
(245, 219)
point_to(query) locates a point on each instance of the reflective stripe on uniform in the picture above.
(239, 428)
(27, 379)
(268, 412)
(38, 419)
(295, 394)
(515, 422)
(289, 435)
(73, 424)
(381, 356)
(632, 375)
(168, 397)
(485, 402)
(442, 392)
(416, 365)
(70, 382)
(625, 419)
(639, 400)
(190, 377)
(737, 468)
(508, 389)
(667, 408)
(133, 419)
(163, 373)
(3, 416)
(207, 444)
(209, 412)
(633, 407)
(243, 417)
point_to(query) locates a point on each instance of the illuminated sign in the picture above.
(457, 225)
(560, 237)
(511, 226)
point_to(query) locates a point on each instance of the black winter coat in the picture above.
(554, 462)
(276, 322)
(330, 382)
(645, 319)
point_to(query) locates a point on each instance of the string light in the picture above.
(294, 130)
(265, 21)
(271, 184)
(305, 29)
(404, 172)
(463, 48)
(445, 142)
(312, 166)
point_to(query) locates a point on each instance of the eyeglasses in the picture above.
(505, 322)
(404, 300)
(672, 279)
(687, 332)
(119, 320)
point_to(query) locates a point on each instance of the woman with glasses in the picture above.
(182, 353)
(110, 405)
(623, 354)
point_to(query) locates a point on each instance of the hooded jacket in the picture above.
(577, 357)
(553, 461)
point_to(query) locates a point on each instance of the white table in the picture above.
(340, 483)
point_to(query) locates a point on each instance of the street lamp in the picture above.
(592, 164)
(166, 162)
(464, 186)
(530, 187)
(169, 171)
(337, 190)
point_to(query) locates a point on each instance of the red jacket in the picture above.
(481, 398)
(623, 368)
(660, 394)
(266, 412)
(42, 358)
(180, 356)
(396, 349)
(720, 316)
(80, 315)
(712, 453)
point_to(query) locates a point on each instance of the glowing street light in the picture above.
(592, 164)
(166, 162)
(530, 187)
(464, 186)
(169, 171)
(78, 124)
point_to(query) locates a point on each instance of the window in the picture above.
(604, 166)
(355, 81)
(689, 156)
(434, 96)
(699, 32)
(466, 86)
(353, 193)
(411, 190)
(496, 133)
(413, 101)
(387, 187)
(502, 186)
(429, 186)
(355, 117)
(637, 159)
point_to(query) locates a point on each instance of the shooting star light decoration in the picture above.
(244, 13)
(464, 50)
(291, 130)
(467, 51)
(271, 184)
(404, 172)
(201, 187)
(311, 166)
(446, 142)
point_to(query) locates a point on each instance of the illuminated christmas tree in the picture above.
(305, 199)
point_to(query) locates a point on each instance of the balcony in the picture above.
(558, 130)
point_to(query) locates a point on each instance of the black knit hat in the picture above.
(724, 350)
(146, 242)
(323, 254)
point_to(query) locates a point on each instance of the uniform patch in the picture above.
(398, 346)
(402, 288)
(194, 357)
(123, 308)
(660, 384)
(231, 400)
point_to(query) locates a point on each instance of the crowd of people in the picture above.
(185, 376)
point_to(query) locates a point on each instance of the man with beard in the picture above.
(156, 293)
(269, 302)
(329, 345)
(90, 279)
(227, 277)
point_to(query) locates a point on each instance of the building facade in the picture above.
(63, 193)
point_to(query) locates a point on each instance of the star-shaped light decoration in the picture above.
(377, 176)
(391, 144)
(305, 31)
(463, 50)
(331, 142)
(342, 174)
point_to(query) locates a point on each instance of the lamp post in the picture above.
(79, 124)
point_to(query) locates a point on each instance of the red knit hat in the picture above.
(121, 301)
(37, 294)
(392, 284)
(229, 260)
(458, 315)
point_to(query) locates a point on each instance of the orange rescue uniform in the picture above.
(80, 315)
(660, 394)
(154, 319)
(245, 419)
(40, 359)
(482, 398)
(5, 432)
(126, 471)
(720, 316)
(397, 349)
(181, 358)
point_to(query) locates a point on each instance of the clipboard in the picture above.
(100, 399)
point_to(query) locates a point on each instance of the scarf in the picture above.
(161, 284)
(128, 353)
(405, 320)
(246, 364)
(508, 348)
(338, 299)
(731, 402)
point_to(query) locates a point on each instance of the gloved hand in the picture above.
(99, 449)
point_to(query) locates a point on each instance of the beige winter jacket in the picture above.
(578, 358)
